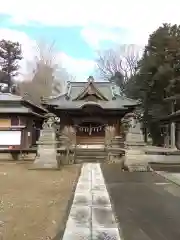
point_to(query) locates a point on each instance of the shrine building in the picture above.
(20, 123)
(90, 108)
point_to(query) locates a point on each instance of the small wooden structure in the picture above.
(167, 131)
(170, 124)
(20, 123)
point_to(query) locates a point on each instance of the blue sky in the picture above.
(80, 28)
(67, 39)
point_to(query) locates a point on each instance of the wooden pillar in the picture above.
(173, 137)
(109, 134)
(173, 129)
(166, 136)
(178, 135)
(117, 127)
(74, 137)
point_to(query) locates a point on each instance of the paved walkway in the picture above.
(169, 171)
(173, 177)
(151, 148)
(91, 216)
(147, 205)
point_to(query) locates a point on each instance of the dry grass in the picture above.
(33, 203)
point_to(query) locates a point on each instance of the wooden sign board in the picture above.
(5, 123)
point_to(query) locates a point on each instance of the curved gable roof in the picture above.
(110, 96)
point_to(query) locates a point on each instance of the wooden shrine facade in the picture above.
(90, 111)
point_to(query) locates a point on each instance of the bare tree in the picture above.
(44, 80)
(119, 63)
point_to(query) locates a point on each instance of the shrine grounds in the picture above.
(33, 204)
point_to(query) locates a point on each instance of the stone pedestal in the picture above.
(136, 160)
(178, 135)
(47, 152)
(134, 136)
(135, 157)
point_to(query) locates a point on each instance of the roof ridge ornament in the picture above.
(68, 90)
(90, 79)
(113, 90)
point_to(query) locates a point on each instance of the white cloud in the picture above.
(95, 35)
(80, 68)
(99, 20)
(108, 13)
(139, 17)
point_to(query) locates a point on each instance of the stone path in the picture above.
(170, 171)
(174, 177)
(146, 204)
(91, 216)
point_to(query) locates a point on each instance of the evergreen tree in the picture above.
(10, 54)
(158, 74)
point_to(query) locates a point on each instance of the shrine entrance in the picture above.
(90, 133)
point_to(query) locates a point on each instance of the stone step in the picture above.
(89, 159)
(90, 154)
(80, 156)
(134, 154)
(90, 150)
(135, 144)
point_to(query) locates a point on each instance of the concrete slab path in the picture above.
(173, 177)
(146, 204)
(91, 216)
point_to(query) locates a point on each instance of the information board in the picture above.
(10, 138)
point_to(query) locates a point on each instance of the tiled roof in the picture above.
(110, 91)
(21, 105)
(9, 97)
